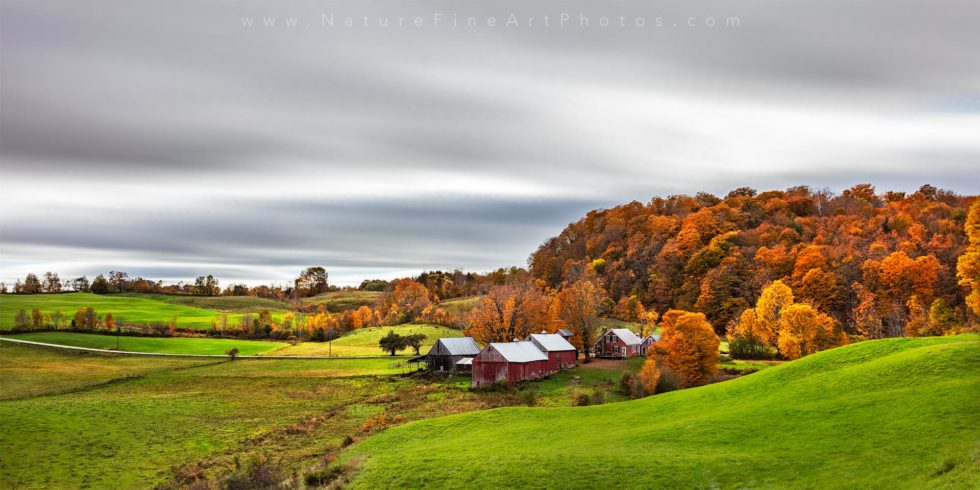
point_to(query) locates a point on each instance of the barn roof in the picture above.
(565, 332)
(519, 351)
(627, 336)
(551, 342)
(457, 346)
(466, 361)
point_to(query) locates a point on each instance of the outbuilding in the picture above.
(509, 362)
(561, 354)
(618, 342)
(447, 352)
(566, 334)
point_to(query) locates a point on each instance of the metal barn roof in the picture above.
(565, 332)
(551, 342)
(457, 346)
(466, 361)
(524, 351)
(627, 336)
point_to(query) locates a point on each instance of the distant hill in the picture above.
(879, 414)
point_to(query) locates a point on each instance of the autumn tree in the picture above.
(689, 345)
(100, 285)
(109, 322)
(32, 285)
(508, 312)
(866, 318)
(578, 306)
(968, 265)
(803, 330)
(942, 318)
(207, 286)
(311, 282)
(52, 283)
(405, 302)
(649, 375)
(918, 323)
(22, 321)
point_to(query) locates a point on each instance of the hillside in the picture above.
(364, 341)
(714, 255)
(897, 412)
(137, 309)
(338, 301)
(166, 345)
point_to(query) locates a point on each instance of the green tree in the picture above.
(392, 343)
(415, 341)
(22, 321)
(100, 285)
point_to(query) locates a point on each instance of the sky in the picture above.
(379, 139)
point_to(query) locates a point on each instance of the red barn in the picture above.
(561, 354)
(618, 342)
(510, 362)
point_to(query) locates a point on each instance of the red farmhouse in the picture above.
(561, 354)
(618, 342)
(510, 362)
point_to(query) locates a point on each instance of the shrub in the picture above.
(598, 398)
(581, 400)
(323, 477)
(626, 383)
(529, 397)
(741, 348)
(232, 353)
(348, 440)
(669, 380)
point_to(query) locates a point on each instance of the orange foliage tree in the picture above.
(968, 265)
(803, 330)
(577, 306)
(404, 303)
(689, 345)
(507, 313)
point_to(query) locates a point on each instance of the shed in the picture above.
(510, 362)
(618, 342)
(561, 354)
(446, 352)
(566, 334)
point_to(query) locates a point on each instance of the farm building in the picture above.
(510, 362)
(561, 354)
(447, 352)
(647, 344)
(566, 334)
(618, 342)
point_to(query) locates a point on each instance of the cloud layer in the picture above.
(167, 139)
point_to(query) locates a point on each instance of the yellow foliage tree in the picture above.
(804, 330)
(689, 345)
(968, 265)
(649, 375)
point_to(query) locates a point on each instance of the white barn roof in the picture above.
(519, 351)
(627, 336)
(551, 342)
(456, 346)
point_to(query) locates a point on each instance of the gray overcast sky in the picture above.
(171, 139)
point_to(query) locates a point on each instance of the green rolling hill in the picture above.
(897, 413)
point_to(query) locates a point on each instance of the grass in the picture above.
(338, 301)
(364, 341)
(882, 414)
(75, 420)
(166, 345)
(462, 305)
(133, 309)
(228, 304)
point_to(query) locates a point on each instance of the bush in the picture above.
(324, 476)
(598, 398)
(257, 472)
(670, 380)
(529, 397)
(232, 353)
(626, 383)
(740, 348)
(348, 440)
(581, 400)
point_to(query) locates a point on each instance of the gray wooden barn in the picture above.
(447, 352)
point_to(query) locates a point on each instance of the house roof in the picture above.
(519, 351)
(458, 346)
(551, 342)
(654, 337)
(565, 332)
(466, 361)
(627, 336)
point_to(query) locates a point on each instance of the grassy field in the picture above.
(227, 304)
(882, 414)
(460, 306)
(364, 342)
(342, 300)
(128, 308)
(167, 345)
(86, 421)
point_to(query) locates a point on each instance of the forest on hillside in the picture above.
(857, 255)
